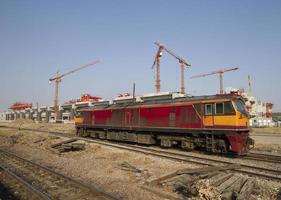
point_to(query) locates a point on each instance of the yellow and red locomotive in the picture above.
(217, 123)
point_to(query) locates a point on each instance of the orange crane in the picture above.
(220, 72)
(58, 78)
(156, 62)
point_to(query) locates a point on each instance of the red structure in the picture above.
(84, 98)
(20, 106)
(268, 107)
(88, 97)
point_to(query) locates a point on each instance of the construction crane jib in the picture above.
(156, 62)
(58, 78)
(220, 72)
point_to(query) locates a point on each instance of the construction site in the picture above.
(260, 112)
(181, 128)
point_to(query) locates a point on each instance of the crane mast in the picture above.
(250, 86)
(182, 62)
(157, 63)
(58, 78)
(221, 74)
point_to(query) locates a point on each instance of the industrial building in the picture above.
(260, 112)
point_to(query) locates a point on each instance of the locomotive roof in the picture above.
(164, 101)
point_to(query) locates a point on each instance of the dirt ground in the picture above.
(271, 130)
(23, 123)
(268, 143)
(101, 165)
(96, 164)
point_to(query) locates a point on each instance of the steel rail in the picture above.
(263, 157)
(90, 189)
(28, 186)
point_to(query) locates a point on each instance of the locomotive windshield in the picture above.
(241, 107)
(78, 114)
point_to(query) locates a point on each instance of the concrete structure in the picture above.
(260, 112)
(262, 122)
(3, 116)
(46, 113)
(66, 111)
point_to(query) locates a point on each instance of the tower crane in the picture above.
(250, 86)
(58, 78)
(156, 62)
(220, 72)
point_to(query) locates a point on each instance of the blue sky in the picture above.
(37, 38)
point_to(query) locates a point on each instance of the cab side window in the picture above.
(219, 108)
(208, 109)
(228, 108)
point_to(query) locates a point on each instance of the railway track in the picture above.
(21, 190)
(262, 172)
(253, 170)
(263, 157)
(45, 183)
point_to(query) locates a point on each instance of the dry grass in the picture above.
(265, 190)
(24, 123)
(271, 130)
(273, 148)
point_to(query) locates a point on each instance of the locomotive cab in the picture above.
(226, 114)
(242, 116)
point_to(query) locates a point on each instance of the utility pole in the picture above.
(134, 93)
(37, 107)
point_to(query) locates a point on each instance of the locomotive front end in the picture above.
(240, 141)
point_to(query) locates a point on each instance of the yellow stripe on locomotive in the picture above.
(78, 119)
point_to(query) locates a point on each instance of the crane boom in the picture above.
(220, 72)
(58, 78)
(180, 59)
(74, 70)
(215, 72)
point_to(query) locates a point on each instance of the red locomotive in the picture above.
(217, 123)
